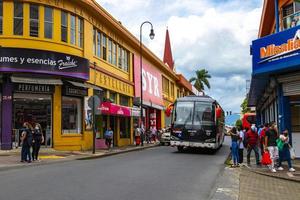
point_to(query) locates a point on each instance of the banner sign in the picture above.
(276, 52)
(33, 88)
(151, 82)
(43, 62)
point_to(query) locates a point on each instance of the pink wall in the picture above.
(152, 82)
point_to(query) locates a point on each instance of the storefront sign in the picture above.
(114, 84)
(108, 108)
(34, 88)
(277, 52)
(151, 82)
(43, 62)
(72, 91)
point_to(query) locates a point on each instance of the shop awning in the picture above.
(108, 108)
(85, 85)
(33, 80)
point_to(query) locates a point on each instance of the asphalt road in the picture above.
(159, 173)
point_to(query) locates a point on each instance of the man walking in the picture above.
(252, 144)
(271, 146)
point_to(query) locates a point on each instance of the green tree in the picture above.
(244, 106)
(238, 123)
(201, 79)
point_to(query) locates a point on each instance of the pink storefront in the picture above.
(152, 92)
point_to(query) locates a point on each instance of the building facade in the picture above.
(275, 85)
(55, 55)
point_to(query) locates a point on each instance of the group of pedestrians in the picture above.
(31, 139)
(264, 139)
(142, 135)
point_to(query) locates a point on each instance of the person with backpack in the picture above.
(271, 145)
(284, 153)
(252, 144)
(108, 137)
(26, 139)
(38, 139)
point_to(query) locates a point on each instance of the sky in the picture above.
(205, 34)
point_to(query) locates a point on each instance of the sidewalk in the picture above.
(11, 159)
(257, 182)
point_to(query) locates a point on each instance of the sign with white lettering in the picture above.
(151, 82)
(43, 62)
(74, 91)
(34, 88)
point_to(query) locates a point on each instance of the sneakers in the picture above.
(292, 170)
(273, 170)
(280, 168)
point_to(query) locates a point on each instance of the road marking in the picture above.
(51, 157)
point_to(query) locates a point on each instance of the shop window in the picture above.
(172, 90)
(18, 18)
(291, 15)
(94, 41)
(110, 51)
(122, 58)
(104, 48)
(113, 97)
(124, 127)
(48, 22)
(34, 21)
(80, 32)
(73, 29)
(124, 100)
(114, 53)
(64, 26)
(98, 44)
(71, 115)
(1, 18)
(165, 83)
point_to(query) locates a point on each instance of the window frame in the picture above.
(98, 43)
(34, 21)
(73, 26)
(64, 27)
(104, 46)
(47, 22)
(80, 31)
(19, 18)
(79, 116)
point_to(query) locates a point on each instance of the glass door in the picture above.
(34, 108)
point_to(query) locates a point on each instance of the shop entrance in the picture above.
(34, 108)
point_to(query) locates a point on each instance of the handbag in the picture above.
(292, 153)
(280, 144)
(266, 160)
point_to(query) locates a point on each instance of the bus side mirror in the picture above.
(218, 112)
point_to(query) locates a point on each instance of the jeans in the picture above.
(285, 155)
(255, 149)
(273, 150)
(234, 151)
(25, 152)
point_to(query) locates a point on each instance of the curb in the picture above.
(116, 153)
(269, 175)
(80, 157)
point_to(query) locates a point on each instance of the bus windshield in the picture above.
(185, 114)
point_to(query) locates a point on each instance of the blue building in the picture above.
(275, 84)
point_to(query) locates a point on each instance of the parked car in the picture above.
(165, 137)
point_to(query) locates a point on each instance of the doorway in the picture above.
(34, 108)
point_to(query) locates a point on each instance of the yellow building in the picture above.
(54, 55)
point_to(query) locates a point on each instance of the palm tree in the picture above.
(201, 79)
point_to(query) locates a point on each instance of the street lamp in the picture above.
(151, 35)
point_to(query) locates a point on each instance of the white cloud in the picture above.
(204, 34)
